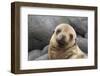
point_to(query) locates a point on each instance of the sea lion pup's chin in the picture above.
(63, 43)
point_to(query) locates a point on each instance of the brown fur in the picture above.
(70, 49)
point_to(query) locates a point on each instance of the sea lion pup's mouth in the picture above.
(61, 43)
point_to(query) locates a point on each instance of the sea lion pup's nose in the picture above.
(61, 39)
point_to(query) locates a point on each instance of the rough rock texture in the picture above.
(40, 29)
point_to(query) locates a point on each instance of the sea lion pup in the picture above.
(63, 44)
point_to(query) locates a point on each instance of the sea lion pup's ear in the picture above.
(71, 36)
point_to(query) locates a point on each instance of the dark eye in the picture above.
(58, 31)
(71, 36)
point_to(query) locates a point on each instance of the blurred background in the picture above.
(40, 30)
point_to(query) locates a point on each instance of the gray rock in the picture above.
(79, 24)
(83, 44)
(45, 50)
(37, 53)
(86, 35)
(34, 54)
(79, 36)
(43, 57)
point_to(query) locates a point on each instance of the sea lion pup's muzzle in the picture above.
(61, 40)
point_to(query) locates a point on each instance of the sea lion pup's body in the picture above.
(63, 44)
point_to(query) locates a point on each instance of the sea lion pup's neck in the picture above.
(63, 48)
(62, 53)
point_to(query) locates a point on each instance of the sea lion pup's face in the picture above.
(63, 37)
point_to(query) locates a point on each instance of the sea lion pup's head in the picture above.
(64, 36)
